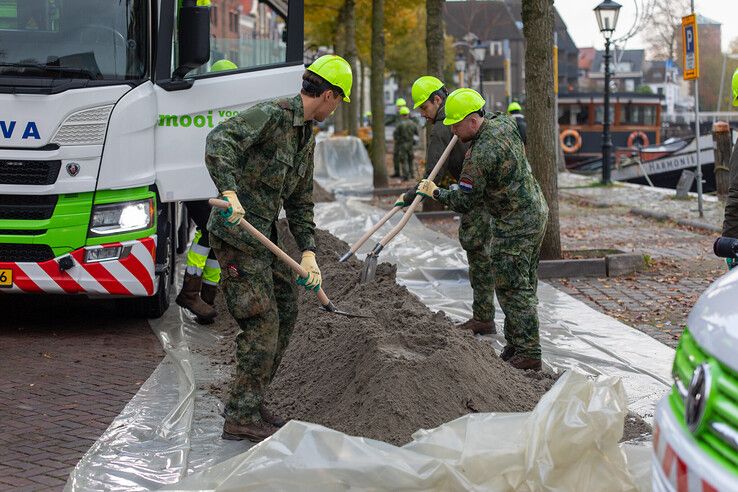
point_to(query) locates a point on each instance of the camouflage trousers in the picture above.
(475, 236)
(404, 161)
(261, 295)
(515, 270)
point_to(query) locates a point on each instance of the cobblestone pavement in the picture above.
(655, 301)
(68, 366)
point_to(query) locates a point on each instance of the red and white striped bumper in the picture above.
(132, 275)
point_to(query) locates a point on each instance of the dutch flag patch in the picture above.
(466, 184)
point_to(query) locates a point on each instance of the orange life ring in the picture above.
(638, 134)
(566, 144)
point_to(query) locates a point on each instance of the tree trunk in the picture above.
(362, 91)
(538, 26)
(353, 107)
(339, 48)
(377, 94)
(434, 37)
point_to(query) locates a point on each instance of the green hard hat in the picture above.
(735, 87)
(460, 104)
(514, 106)
(404, 110)
(336, 71)
(368, 113)
(223, 65)
(400, 102)
(423, 88)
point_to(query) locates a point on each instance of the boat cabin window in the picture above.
(637, 114)
(574, 114)
(600, 113)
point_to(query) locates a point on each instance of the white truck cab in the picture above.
(695, 437)
(104, 110)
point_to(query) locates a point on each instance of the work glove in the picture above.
(732, 263)
(401, 201)
(313, 280)
(235, 212)
(426, 188)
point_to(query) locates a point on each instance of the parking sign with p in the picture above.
(690, 51)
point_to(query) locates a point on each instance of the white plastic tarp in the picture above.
(569, 442)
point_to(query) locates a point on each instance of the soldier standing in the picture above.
(260, 160)
(404, 135)
(399, 104)
(496, 177)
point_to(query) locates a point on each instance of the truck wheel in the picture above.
(156, 305)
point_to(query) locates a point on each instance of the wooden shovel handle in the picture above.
(416, 202)
(294, 266)
(373, 229)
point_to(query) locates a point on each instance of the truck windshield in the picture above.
(73, 39)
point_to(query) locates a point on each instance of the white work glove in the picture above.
(426, 188)
(314, 278)
(235, 212)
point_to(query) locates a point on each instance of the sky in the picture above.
(580, 20)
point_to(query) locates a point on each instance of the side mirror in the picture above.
(193, 39)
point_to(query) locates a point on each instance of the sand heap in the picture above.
(386, 377)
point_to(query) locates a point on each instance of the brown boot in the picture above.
(526, 363)
(268, 416)
(189, 298)
(479, 327)
(254, 432)
(208, 292)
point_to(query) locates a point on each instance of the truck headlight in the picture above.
(117, 218)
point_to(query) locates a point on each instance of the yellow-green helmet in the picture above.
(423, 88)
(223, 65)
(336, 71)
(400, 102)
(460, 104)
(735, 87)
(514, 106)
(404, 110)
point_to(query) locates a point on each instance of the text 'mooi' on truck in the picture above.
(104, 110)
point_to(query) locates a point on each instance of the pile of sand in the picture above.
(385, 377)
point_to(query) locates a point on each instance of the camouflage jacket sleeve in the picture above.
(472, 184)
(299, 206)
(226, 145)
(730, 224)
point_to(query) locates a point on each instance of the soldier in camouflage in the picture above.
(261, 161)
(496, 179)
(404, 135)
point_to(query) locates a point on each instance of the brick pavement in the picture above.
(68, 366)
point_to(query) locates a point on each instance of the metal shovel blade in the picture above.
(370, 268)
(331, 308)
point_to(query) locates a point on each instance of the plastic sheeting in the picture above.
(171, 429)
(569, 442)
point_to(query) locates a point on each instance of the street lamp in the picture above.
(478, 51)
(607, 18)
(460, 65)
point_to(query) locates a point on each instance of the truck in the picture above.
(105, 107)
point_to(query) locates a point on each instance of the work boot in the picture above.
(507, 353)
(268, 416)
(254, 432)
(479, 327)
(526, 363)
(189, 298)
(208, 292)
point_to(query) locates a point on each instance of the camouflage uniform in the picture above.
(403, 154)
(497, 181)
(265, 154)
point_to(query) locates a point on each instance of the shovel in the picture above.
(369, 233)
(370, 264)
(325, 303)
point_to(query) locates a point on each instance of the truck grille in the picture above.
(720, 438)
(27, 207)
(25, 252)
(21, 172)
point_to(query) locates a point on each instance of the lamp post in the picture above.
(478, 51)
(460, 65)
(607, 18)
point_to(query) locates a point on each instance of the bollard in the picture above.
(721, 137)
